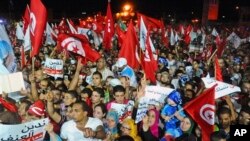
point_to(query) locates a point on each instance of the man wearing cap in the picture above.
(125, 70)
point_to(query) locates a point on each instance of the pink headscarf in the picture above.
(154, 128)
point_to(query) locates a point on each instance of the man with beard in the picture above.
(225, 120)
(244, 116)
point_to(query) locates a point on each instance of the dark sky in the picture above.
(181, 9)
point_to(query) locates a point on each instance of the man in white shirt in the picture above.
(82, 127)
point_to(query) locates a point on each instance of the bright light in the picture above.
(127, 7)
(237, 7)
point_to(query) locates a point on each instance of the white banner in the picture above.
(153, 95)
(222, 88)
(157, 93)
(54, 67)
(24, 132)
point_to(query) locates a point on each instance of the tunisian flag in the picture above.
(78, 44)
(202, 110)
(26, 18)
(149, 64)
(109, 29)
(38, 17)
(130, 46)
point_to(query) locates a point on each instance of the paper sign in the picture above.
(54, 67)
(12, 82)
(33, 130)
(222, 88)
(157, 93)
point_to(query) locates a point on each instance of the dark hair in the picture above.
(245, 109)
(224, 110)
(84, 105)
(118, 88)
(7, 117)
(97, 73)
(73, 94)
(100, 91)
(216, 136)
(103, 107)
(87, 91)
(124, 138)
(27, 102)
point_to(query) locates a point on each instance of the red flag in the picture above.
(78, 44)
(38, 17)
(218, 74)
(220, 43)
(26, 19)
(149, 64)
(213, 10)
(9, 106)
(121, 35)
(109, 29)
(130, 46)
(150, 23)
(202, 110)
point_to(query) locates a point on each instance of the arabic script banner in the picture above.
(30, 131)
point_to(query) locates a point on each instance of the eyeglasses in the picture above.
(125, 127)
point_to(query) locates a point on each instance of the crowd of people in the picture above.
(79, 105)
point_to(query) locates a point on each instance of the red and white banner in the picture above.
(54, 67)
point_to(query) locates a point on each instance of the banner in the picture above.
(123, 110)
(222, 88)
(213, 9)
(30, 131)
(54, 67)
(157, 93)
(154, 95)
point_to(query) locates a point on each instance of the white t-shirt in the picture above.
(72, 133)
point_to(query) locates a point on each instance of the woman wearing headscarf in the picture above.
(186, 129)
(129, 127)
(150, 131)
(110, 126)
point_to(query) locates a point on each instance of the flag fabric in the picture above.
(109, 29)
(49, 35)
(130, 46)
(121, 35)
(71, 27)
(222, 88)
(202, 110)
(27, 43)
(151, 23)
(38, 17)
(26, 19)
(149, 63)
(78, 44)
(143, 37)
(213, 10)
(218, 74)
(19, 32)
(234, 39)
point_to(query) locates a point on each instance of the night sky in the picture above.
(180, 9)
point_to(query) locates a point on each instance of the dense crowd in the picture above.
(79, 105)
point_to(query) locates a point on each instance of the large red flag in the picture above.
(78, 44)
(149, 64)
(130, 46)
(109, 29)
(38, 17)
(218, 74)
(202, 110)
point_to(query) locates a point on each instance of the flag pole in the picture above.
(33, 65)
(211, 57)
